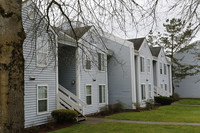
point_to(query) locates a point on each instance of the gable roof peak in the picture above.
(137, 42)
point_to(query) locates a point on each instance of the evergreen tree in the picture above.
(176, 38)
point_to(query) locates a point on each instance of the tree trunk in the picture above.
(11, 67)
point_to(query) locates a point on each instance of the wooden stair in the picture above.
(67, 100)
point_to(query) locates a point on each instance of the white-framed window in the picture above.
(150, 96)
(88, 64)
(101, 62)
(143, 91)
(148, 66)
(102, 93)
(165, 87)
(141, 64)
(88, 94)
(42, 51)
(165, 69)
(161, 86)
(160, 68)
(42, 98)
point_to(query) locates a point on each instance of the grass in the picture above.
(189, 101)
(171, 113)
(112, 127)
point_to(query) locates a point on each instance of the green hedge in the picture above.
(64, 115)
(163, 100)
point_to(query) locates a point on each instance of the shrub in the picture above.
(163, 100)
(137, 105)
(111, 108)
(64, 115)
(149, 104)
(118, 107)
(176, 97)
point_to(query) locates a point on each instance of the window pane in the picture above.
(104, 94)
(42, 92)
(42, 105)
(143, 92)
(100, 94)
(42, 59)
(102, 97)
(88, 64)
(99, 61)
(89, 100)
(141, 64)
(88, 90)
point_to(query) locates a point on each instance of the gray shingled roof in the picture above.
(155, 51)
(137, 42)
(79, 32)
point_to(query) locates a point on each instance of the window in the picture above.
(161, 86)
(88, 64)
(143, 91)
(101, 65)
(160, 68)
(165, 69)
(102, 94)
(89, 94)
(150, 91)
(165, 87)
(42, 98)
(142, 64)
(148, 66)
(42, 52)
(198, 56)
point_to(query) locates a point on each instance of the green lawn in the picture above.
(112, 127)
(171, 113)
(189, 101)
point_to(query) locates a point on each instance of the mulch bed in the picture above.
(99, 115)
(54, 126)
(48, 127)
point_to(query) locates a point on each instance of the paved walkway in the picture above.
(91, 120)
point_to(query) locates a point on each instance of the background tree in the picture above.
(176, 37)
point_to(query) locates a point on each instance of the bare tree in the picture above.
(115, 14)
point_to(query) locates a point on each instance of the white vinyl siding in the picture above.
(141, 64)
(148, 66)
(42, 51)
(42, 98)
(102, 94)
(143, 91)
(101, 62)
(150, 96)
(88, 94)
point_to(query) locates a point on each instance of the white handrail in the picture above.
(69, 100)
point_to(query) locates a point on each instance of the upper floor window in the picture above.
(161, 68)
(101, 62)
(42, 51)
(141, 64)
(148, 65)
(88, 64)
(165, 69)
